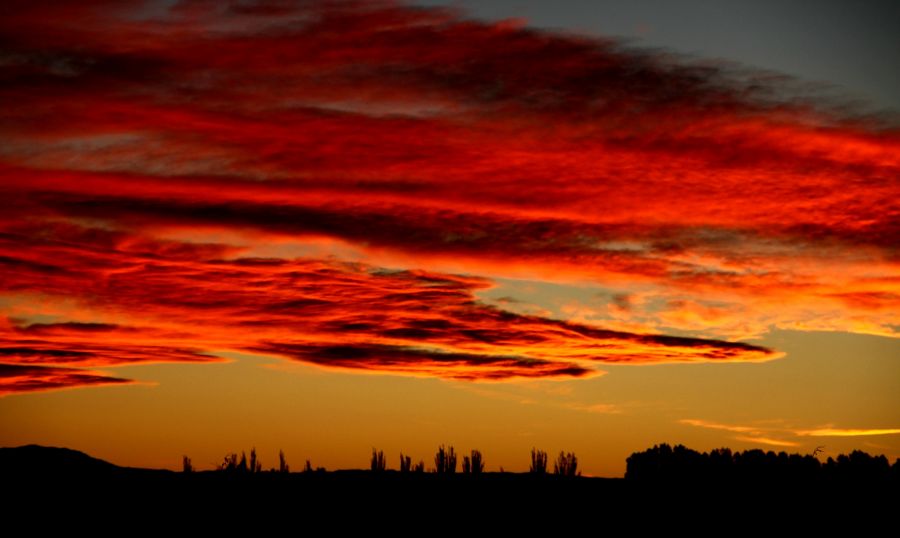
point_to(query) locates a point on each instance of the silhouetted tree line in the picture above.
(253, 465)
(663, 462)
(445, 460)
(406, 465)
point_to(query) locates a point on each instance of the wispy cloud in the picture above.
(596, 408)
(837, 432)
(717, 426)
(754, 434)
(761, 432)
(765, 441)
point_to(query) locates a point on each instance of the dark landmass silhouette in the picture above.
(44, 460)
(660, 463)
(663, 479)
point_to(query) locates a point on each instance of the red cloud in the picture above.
(729, 203)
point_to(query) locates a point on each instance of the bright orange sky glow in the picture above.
(503, 219)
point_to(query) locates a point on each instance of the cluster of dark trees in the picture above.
(679, 463)
(445, 460)
(232, 464)
(566, 463)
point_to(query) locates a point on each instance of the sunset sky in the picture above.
(331, 226)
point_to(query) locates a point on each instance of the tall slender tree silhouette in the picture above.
(378, 463)
(229, 463)
(538, 462)
(283, 466)
(405, 463)
(566, 464)
(255, 464)
(473, 464)
(445, 460)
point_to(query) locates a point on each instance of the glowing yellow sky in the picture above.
(335, 419)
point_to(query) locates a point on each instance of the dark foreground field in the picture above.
(70, 490)
(60, 481)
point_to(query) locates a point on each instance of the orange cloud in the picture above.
(17, 378)
(182, 303)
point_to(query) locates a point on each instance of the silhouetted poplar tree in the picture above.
(566, 464)
(538, 462)
(473, 464)
(445, 461)
(378, 464)
(405, 463)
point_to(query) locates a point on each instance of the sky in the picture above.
(332, 227)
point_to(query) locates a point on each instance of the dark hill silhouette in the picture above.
(36, 459)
